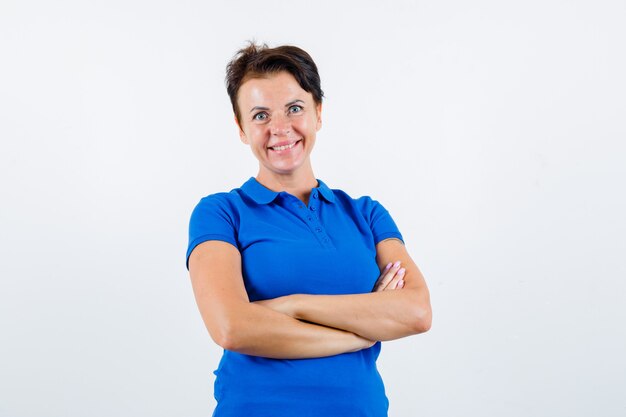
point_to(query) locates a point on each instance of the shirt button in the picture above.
(318, 229)
(314, 195)
(313, 208)
(310, 218)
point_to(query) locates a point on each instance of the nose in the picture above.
(280, 125)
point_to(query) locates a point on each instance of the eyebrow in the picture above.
(291, 103)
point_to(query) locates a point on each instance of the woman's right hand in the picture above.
(391, 278)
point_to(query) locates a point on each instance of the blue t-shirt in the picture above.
(327, 247)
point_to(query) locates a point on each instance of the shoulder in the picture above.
(366, 205)
(215, 217)
(225, 203)
(217, 213)
(222, 200)
(372, 212)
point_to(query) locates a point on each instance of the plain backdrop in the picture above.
(494, 133)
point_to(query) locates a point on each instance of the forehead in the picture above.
(280, 87)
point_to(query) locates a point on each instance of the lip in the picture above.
(284, 143)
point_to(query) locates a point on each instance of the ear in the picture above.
(242, 135)
(318, 109)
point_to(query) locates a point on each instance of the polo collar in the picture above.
(263, 195)
(326, 192)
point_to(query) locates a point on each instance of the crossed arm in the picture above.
(307, 326)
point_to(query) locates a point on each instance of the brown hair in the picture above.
(258, 60)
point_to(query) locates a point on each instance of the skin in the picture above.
(380, 315)
(238, 325)
(276, 111)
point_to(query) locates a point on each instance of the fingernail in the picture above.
(401, 271)
(397, 264)
(401, 283)
(388, 266)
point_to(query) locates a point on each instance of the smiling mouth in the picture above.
(284, 147)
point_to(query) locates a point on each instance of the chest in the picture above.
(320, 249)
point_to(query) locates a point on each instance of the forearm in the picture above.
(238, 325)
(259, 331)
(381, 316)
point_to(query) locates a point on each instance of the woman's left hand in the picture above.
(391, 278)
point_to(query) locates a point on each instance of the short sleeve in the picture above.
(212, 219)
(380, 221)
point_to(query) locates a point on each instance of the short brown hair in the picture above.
(259, 60)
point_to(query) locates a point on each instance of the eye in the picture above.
(261, 116)
(295, 109)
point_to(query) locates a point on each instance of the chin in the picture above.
(284, 169)
(286, 166)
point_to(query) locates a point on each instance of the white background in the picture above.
(492, 131)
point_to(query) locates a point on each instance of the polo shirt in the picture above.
(287, 247)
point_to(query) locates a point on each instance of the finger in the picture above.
(381, 276)
(395, 282)
(383, 279)
(389, 276)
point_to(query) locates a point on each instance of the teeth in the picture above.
(282, 148)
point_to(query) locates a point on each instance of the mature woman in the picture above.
(297, 282)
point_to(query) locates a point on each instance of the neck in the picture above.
(298, 184)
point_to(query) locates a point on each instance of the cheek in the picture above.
(304, 125)
(258, 135)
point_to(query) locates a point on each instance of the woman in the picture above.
(287, 272)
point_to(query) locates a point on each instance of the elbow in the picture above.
(232, 329)
(422, 320)
(224, 340)
(229, 344)
(226, 336)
